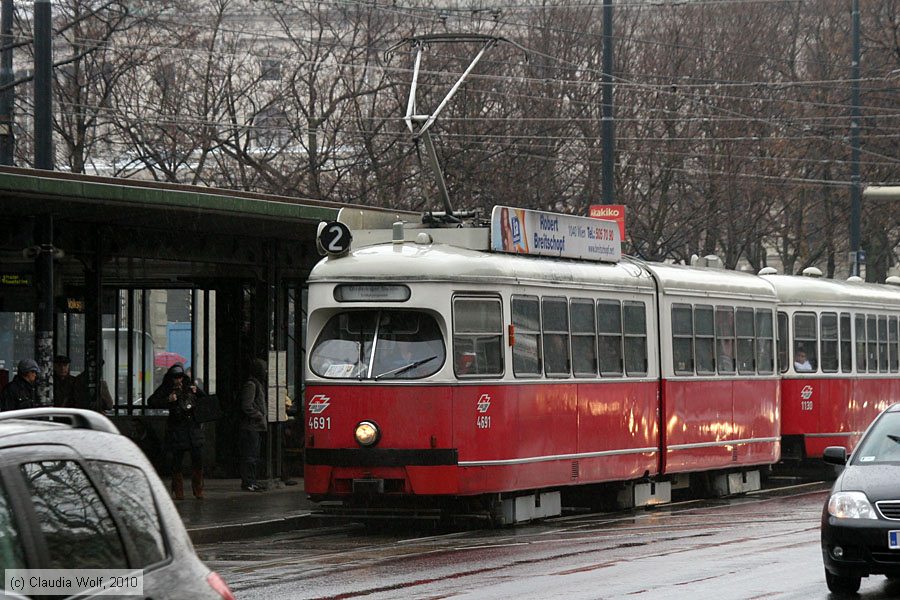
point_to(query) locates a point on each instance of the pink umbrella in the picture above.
(167, 359)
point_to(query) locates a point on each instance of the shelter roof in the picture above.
(142, 204)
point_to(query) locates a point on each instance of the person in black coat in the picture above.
(183, 431)
(253, 424)
(21, 392)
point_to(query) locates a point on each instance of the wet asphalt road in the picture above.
(760, 546)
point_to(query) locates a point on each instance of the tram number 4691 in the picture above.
(483, 422)
(320, 422)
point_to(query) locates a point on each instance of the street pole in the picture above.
(6, 78)
(855, 187)
(43, 228)
(43, 77)
(608, 132)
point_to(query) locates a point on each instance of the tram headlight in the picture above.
(850, 505)
(367, 433)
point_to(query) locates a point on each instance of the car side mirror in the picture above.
(836, 455)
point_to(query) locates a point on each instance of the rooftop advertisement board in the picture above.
(522, 231)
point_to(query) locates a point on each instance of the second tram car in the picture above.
(443, 373)
(839, 352)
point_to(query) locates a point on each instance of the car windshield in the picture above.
(882, 444)
(378, 344)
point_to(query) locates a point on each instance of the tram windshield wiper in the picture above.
(405, 368)
(895, 438)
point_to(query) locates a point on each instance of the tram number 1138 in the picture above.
(483, 422)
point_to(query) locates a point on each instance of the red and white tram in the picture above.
(444, 371)
(844, 360)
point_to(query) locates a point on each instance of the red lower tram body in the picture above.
(819, 412)
(470, 440)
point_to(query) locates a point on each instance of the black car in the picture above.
(861, 518)
(75, 494)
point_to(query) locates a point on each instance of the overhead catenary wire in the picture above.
(745, 118)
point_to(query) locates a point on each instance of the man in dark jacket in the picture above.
(253, 424)
(22, 390)
(63, 382)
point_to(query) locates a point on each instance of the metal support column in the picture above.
(608, 130)
(855, 187)
(45, 313)
(43, 86)
(7, 91)
(93, 321)
(43, 128)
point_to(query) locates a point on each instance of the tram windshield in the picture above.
(378, 344)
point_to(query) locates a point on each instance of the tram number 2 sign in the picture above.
(333, 238)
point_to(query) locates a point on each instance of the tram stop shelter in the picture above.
(147, 274)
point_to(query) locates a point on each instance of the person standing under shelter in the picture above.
(253, 423)
(183, 431)
(64, 383)
(21, 392)
(82, 398)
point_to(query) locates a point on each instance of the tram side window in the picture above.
(609, 329)
(584, 337)
(805, 343)
(635, 319)
(704, 339)
(765, 356)
(828, 329)
(894, 340)
(872, 343)
(725, 340)
(477, 337)
(555, 318)
(782, 342)
(860, 343)
(746, 341)
(682, 339)
(882, 344)
(846, 344)
(526, 320)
